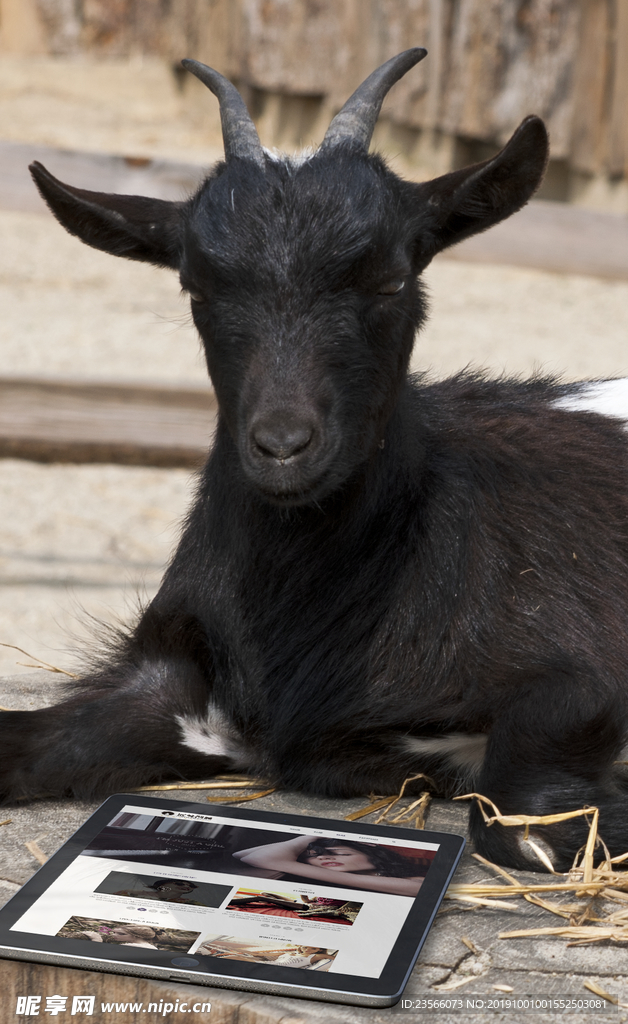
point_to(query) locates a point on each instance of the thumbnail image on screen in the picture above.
(309, 958)
(164, 890)
(304, 908)
(122, 933)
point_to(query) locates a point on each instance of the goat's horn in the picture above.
(238, 131)
(356, 121)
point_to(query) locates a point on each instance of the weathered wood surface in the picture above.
(57, 421)
(19, 979)
(491, 61)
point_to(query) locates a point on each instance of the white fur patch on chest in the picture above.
(464, 751)
(605, 397)
(213, 735)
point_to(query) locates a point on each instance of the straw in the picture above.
(36, 851)
(42, 664)
(369, 809)
(415, 814)
(599, 991)
(250, 784)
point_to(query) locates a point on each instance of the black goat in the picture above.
(380, 575)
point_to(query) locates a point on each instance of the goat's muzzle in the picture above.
(287, 454)
(281, 438)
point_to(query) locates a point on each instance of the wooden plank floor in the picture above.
(72, 421)
(18, 978)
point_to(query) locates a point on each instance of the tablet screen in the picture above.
(262, 892)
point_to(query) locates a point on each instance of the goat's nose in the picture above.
(282, 439)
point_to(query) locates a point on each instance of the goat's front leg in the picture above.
(140, 725)
(552, 750)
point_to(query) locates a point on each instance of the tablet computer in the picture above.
(243, 899)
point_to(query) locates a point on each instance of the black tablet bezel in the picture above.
(384, 990)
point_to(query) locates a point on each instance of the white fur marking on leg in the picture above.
(212, 735)
(464, 751)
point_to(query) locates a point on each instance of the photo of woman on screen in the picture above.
(342, 862)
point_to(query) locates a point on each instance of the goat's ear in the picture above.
(465, 202)
(132, 226)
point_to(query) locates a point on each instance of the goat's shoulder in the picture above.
(538, 419)
(474, 392)
(526, 452)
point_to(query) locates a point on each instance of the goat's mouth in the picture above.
(297, 493)
(292, 499)
(287, 485)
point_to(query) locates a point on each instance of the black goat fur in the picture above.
(372, 559)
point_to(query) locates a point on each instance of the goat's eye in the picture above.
(392, 287)
(196, 297)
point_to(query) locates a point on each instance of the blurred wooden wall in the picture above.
(490, 63)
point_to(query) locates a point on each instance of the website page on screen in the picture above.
(238, 890)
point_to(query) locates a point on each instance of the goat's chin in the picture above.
(301, 497)
(295, 493)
